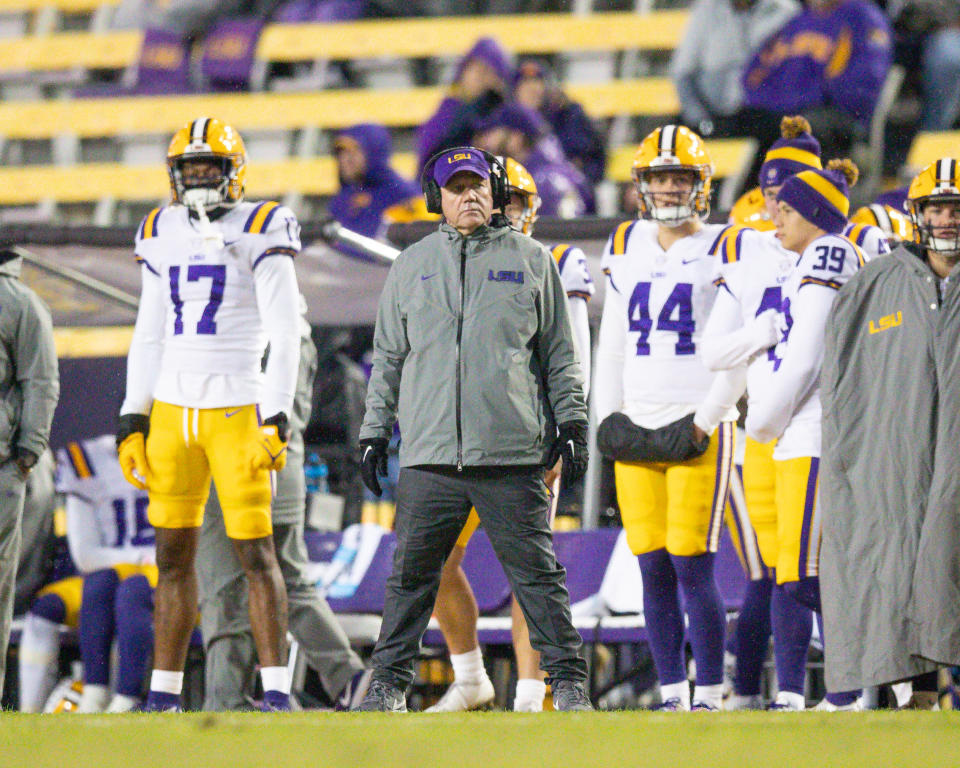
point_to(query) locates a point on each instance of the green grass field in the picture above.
(482, 740)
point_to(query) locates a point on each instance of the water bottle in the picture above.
(315, 471)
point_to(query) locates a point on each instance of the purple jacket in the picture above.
(360, 207)
(838, 58)
(562, 188)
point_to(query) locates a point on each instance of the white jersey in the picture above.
(870, 239)
(789, 407)
(574, 274)
(106, 516)
(752, 272)
(655, 308)
(213, 295)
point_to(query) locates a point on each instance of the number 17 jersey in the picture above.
(656, 305)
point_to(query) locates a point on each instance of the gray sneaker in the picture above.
(570, 696)
(383, 697)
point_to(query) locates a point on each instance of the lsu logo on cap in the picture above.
(459, 156)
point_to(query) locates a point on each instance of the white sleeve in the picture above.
(608, 377)
(84, 544)
(146, 347)
(770, 413)
(727, 342)
(581, 336)
(727, 388)
(278, 299)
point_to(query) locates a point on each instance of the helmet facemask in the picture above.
(208, 193)
(689, 206)
(948, 247)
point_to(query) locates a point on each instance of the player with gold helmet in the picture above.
(455, 609)
(218, 287)
(888, 477)
(894, 224)
(668, 422)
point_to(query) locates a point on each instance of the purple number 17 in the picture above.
(217, 273)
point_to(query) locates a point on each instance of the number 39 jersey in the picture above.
(89, 470)
(655, 307)
(207, 281)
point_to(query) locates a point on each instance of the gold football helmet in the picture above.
(673, 148)
(751, 211)
(207, 139)
(938, 181)
(895, 224)
(520, 182)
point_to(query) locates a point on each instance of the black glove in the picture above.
(282, 423)
(129, 423)
(619, 439)
(373, 462)
(571, 446)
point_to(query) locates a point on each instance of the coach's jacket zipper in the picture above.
(463, 272)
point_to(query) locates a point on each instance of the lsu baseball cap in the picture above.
(460, 159)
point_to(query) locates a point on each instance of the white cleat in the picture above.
(462, 697)
(528, 706)
(826, 706)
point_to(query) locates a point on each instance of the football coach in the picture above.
(473, 350)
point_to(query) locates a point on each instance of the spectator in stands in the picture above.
(225, 622)
(29, 387)
(707, 66)
(535, 86)
(517, 131)
(932, 27)
(829, 62)
(480, 84)
(372, 194)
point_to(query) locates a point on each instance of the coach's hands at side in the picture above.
(373, 462)
(571, 446)
(272, 451)
(132, 430)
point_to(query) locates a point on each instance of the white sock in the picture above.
(529, 691)
(709, 694)
(165, 681)
(679, 690)
(275, 679)
(903, 692)
(39, 651)
(122, 703)
(93, 699)
(795, 700)
(468, 667)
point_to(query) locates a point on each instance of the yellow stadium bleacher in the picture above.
(396, 38)
(63, 6)
(316, 176)
(145, 115)
(927, 147)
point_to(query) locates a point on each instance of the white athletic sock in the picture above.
(530, 692)
(468, 667)
(679, 690)
(122, 703)
(709, 694)
(794, 700)
(275, 679)
(165, 681)
(39, 651)
(93, 699)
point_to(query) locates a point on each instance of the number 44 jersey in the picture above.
(655, 307)
(213, 294)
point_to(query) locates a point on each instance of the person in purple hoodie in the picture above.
(480, 84)
(828, 62)
(519, 132)
(372, 194)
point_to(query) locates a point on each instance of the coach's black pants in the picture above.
(432, 507)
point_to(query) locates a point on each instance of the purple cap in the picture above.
(460, 159)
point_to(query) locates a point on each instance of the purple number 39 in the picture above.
(218, 278)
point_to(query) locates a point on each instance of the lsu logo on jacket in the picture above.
(505, 276)
(886, 322)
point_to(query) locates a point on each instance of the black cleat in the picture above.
(383, 697)
(570, 696)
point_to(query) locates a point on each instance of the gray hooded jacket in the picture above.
(473, 347)
(29, 379)
(879, 393)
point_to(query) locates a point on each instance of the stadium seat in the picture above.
(928, 147)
